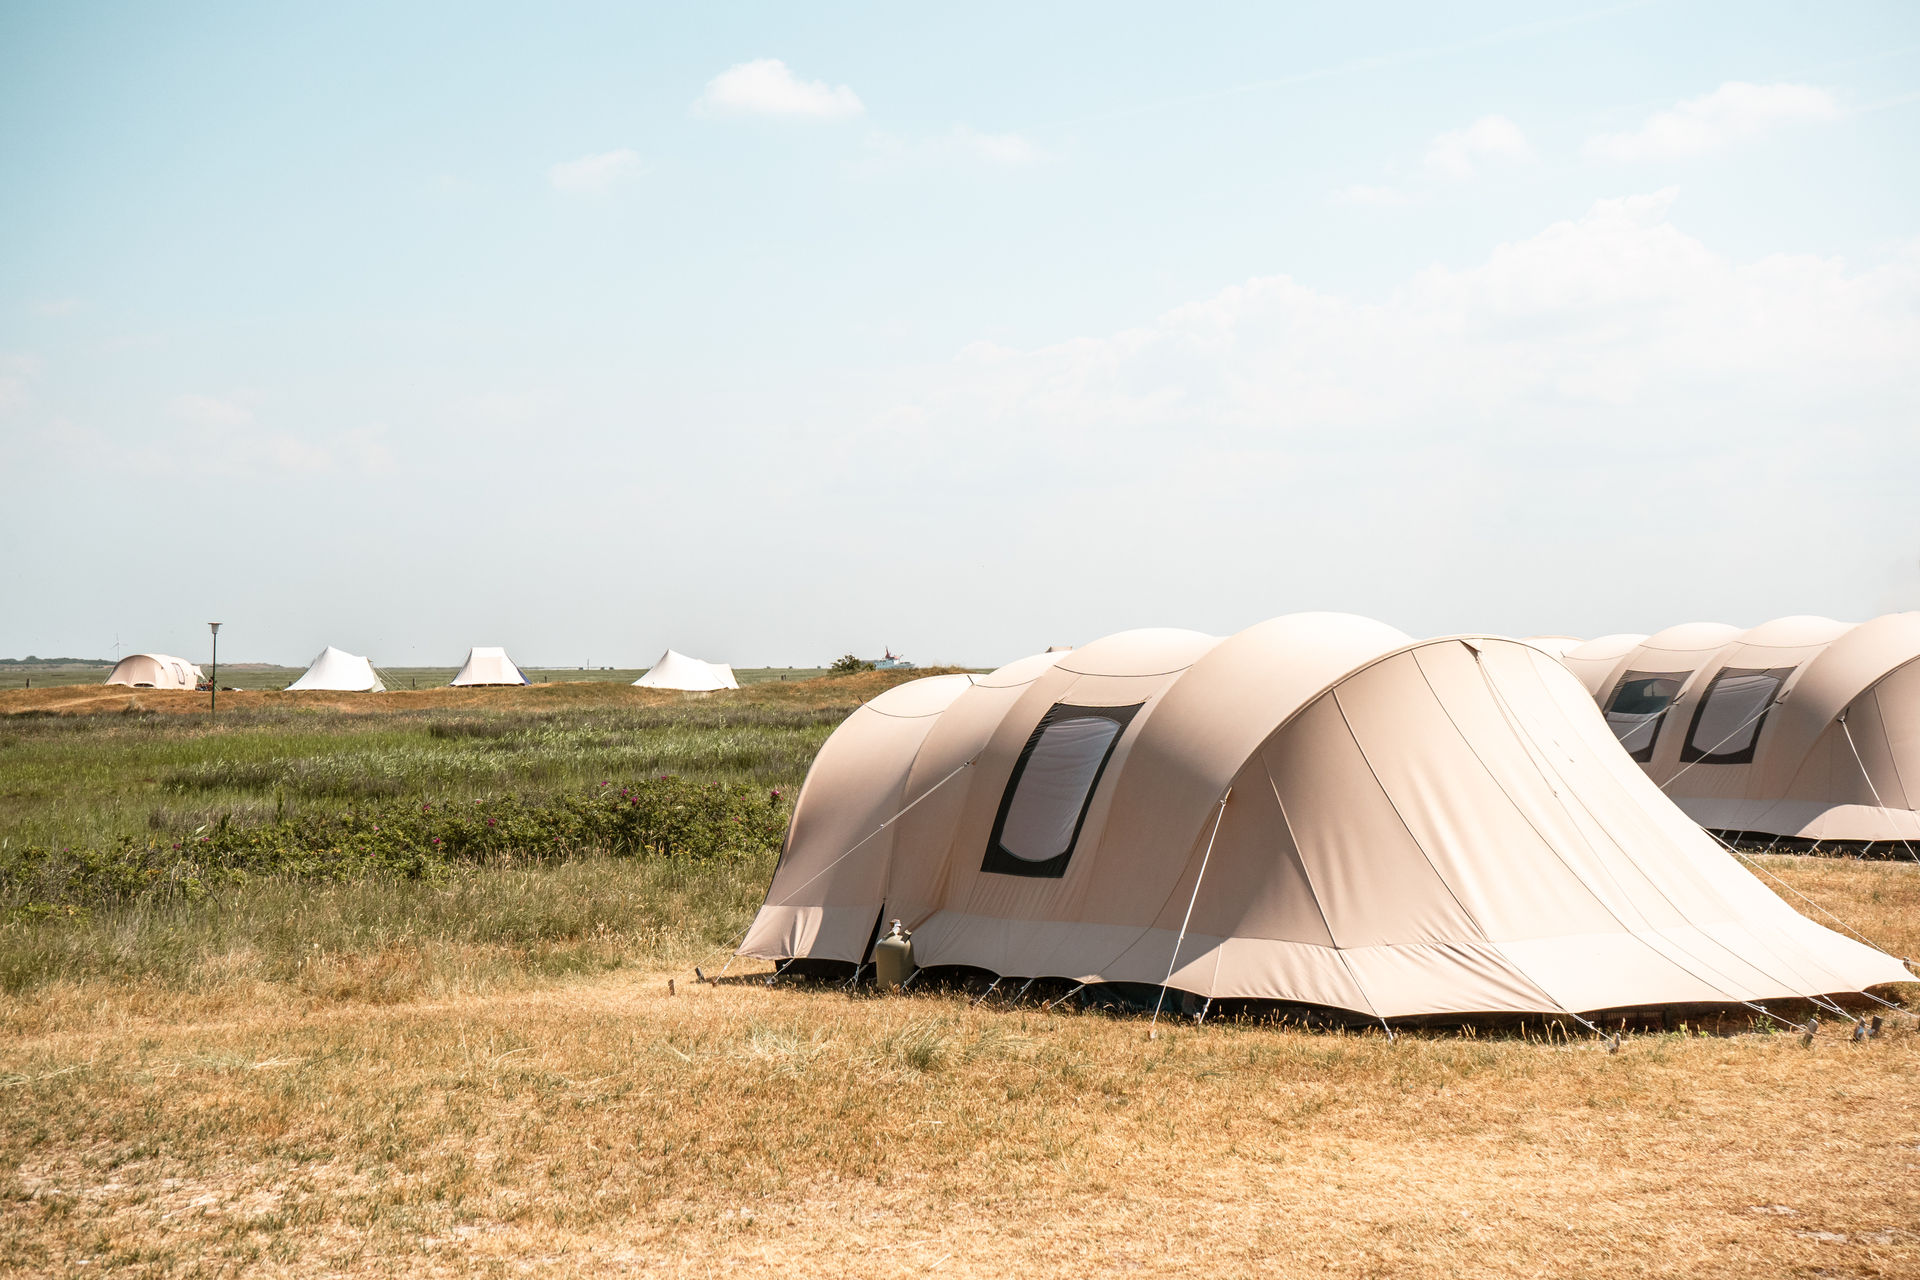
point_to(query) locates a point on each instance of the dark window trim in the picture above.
(999, 860)
(1691, 754)
(1645, 754)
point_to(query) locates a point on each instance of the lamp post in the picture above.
(213, 694)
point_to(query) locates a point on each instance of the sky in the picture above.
(776, 332)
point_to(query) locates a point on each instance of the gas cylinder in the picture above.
(893, 958)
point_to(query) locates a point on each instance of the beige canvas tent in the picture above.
(1315, 810)
(155, 671)
(1802, 727)
(343, 672)
(678, 671)
(488, 665)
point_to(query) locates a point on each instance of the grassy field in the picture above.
(260, 676)
(485, 1070)
(91, 764)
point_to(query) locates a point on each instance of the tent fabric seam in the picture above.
(1651, 881)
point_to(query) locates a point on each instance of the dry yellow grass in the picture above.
(600, 1126)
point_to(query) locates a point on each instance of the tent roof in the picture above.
(676, 670)
(155, 670)
(340, 671)
(488, 665)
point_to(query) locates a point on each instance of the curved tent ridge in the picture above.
(1409, 827)
(1021, 671)
(927, 696)
(155, 671)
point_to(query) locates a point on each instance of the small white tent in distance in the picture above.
(342, 672)
(678, 671)
(155, 671)
(488, 665)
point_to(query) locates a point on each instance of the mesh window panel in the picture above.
(1639, 706)
(1727, 722)
(1052, 786)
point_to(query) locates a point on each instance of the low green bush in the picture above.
(664, 817)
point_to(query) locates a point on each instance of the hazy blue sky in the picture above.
(770, 332)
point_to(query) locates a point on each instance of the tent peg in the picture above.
(989, 991)
(1808, 1032)
(1873, 1030)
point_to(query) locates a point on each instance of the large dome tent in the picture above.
(341, 672)
(1802, 728)
(155, 671)
(1317, 810)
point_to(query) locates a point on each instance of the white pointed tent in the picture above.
(155, 671)
(678, 671)
(488, 665)
(343, 672)
(1316, 810)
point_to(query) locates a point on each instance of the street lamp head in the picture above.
(215, 626)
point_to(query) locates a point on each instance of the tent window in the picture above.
(1639, 706)
(1052, 787)
(1727, 722)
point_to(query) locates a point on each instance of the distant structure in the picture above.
(155, 671)
(488, 665)
(891, 662)
(678, 671)
(342, 672)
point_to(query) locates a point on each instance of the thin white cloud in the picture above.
(1009, 149)
(1380, 197)
(224, 430)
(225, 412)
(1459, 154)
(1735, 112)
(17, 374)
(1616, 320)
(766, 87)
(591, 175)
(57, 307)
(959, 147)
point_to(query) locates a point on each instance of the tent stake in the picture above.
(989, 991)
(1063, 999)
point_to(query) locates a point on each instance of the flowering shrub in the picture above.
(665, 817)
